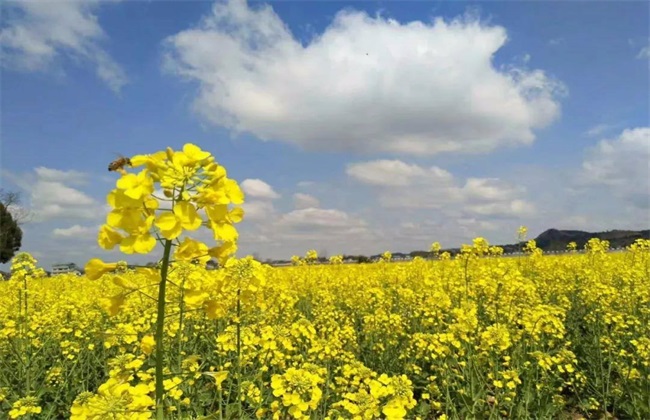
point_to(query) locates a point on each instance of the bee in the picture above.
(119, 164)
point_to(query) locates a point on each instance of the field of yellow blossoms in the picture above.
(474, 336)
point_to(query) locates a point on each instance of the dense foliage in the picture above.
(10, 235)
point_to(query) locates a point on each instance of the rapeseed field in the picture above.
(473, 336)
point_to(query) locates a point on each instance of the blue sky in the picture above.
(353, 126)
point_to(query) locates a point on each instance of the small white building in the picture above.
(65, 268)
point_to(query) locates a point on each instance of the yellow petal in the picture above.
(120, 281)
(225, 232)
(236, 215)
(144, 244)
(194, 152)
(127, 181)
(234, 192)
(139, 160)
(113, 305)
(180, 160)
(95, 268)
(151, 203)
(107, 238)
(217, 213)
(166, 221)
(126, 246)
(188, 216)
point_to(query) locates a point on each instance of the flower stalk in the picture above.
(200, 195)
(160, 330)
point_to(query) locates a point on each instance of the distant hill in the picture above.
(550, 240)
(557, 240)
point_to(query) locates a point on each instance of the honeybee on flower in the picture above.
(118, 164)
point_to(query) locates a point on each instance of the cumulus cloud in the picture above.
(258, 211)
(76, 232)
(410, 186)
(450, 232)
(36, 33)
(504, 208)
(296, 231)
(366, 84)
(394, 173)
(313, 218)
(52, 195)
(304, 201)
(490, 190)
(258, 189)
(333, 229)
(71, 177)
(311, 223)
(621, 166)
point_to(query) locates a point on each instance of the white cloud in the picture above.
(474, 225)
(304, 201)
(76, 232)
(450, 232)
(622, 166)
(36, 33)
(56, 175)
(297, 231)
(599, 129)
(52, 195)
(394, 173)
(258, 189)
(47, 192)
(490, 189)
(318, 218)
(507, 208)
(365, 84)
(409, 186)
(256, 211)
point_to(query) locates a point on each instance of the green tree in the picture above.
(11, 201)
(10, 235)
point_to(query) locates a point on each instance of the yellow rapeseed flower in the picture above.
(95, 268)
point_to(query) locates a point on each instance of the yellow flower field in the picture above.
(475, 336)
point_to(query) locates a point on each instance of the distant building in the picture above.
(65, 268)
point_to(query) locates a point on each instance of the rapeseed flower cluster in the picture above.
(24, 407)
(298, 391)
(195, 192)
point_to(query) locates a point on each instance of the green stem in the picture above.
(25, 288)
(25, 322)
(181, 305)
(220, 404)
(160, 324)
(239, 404)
